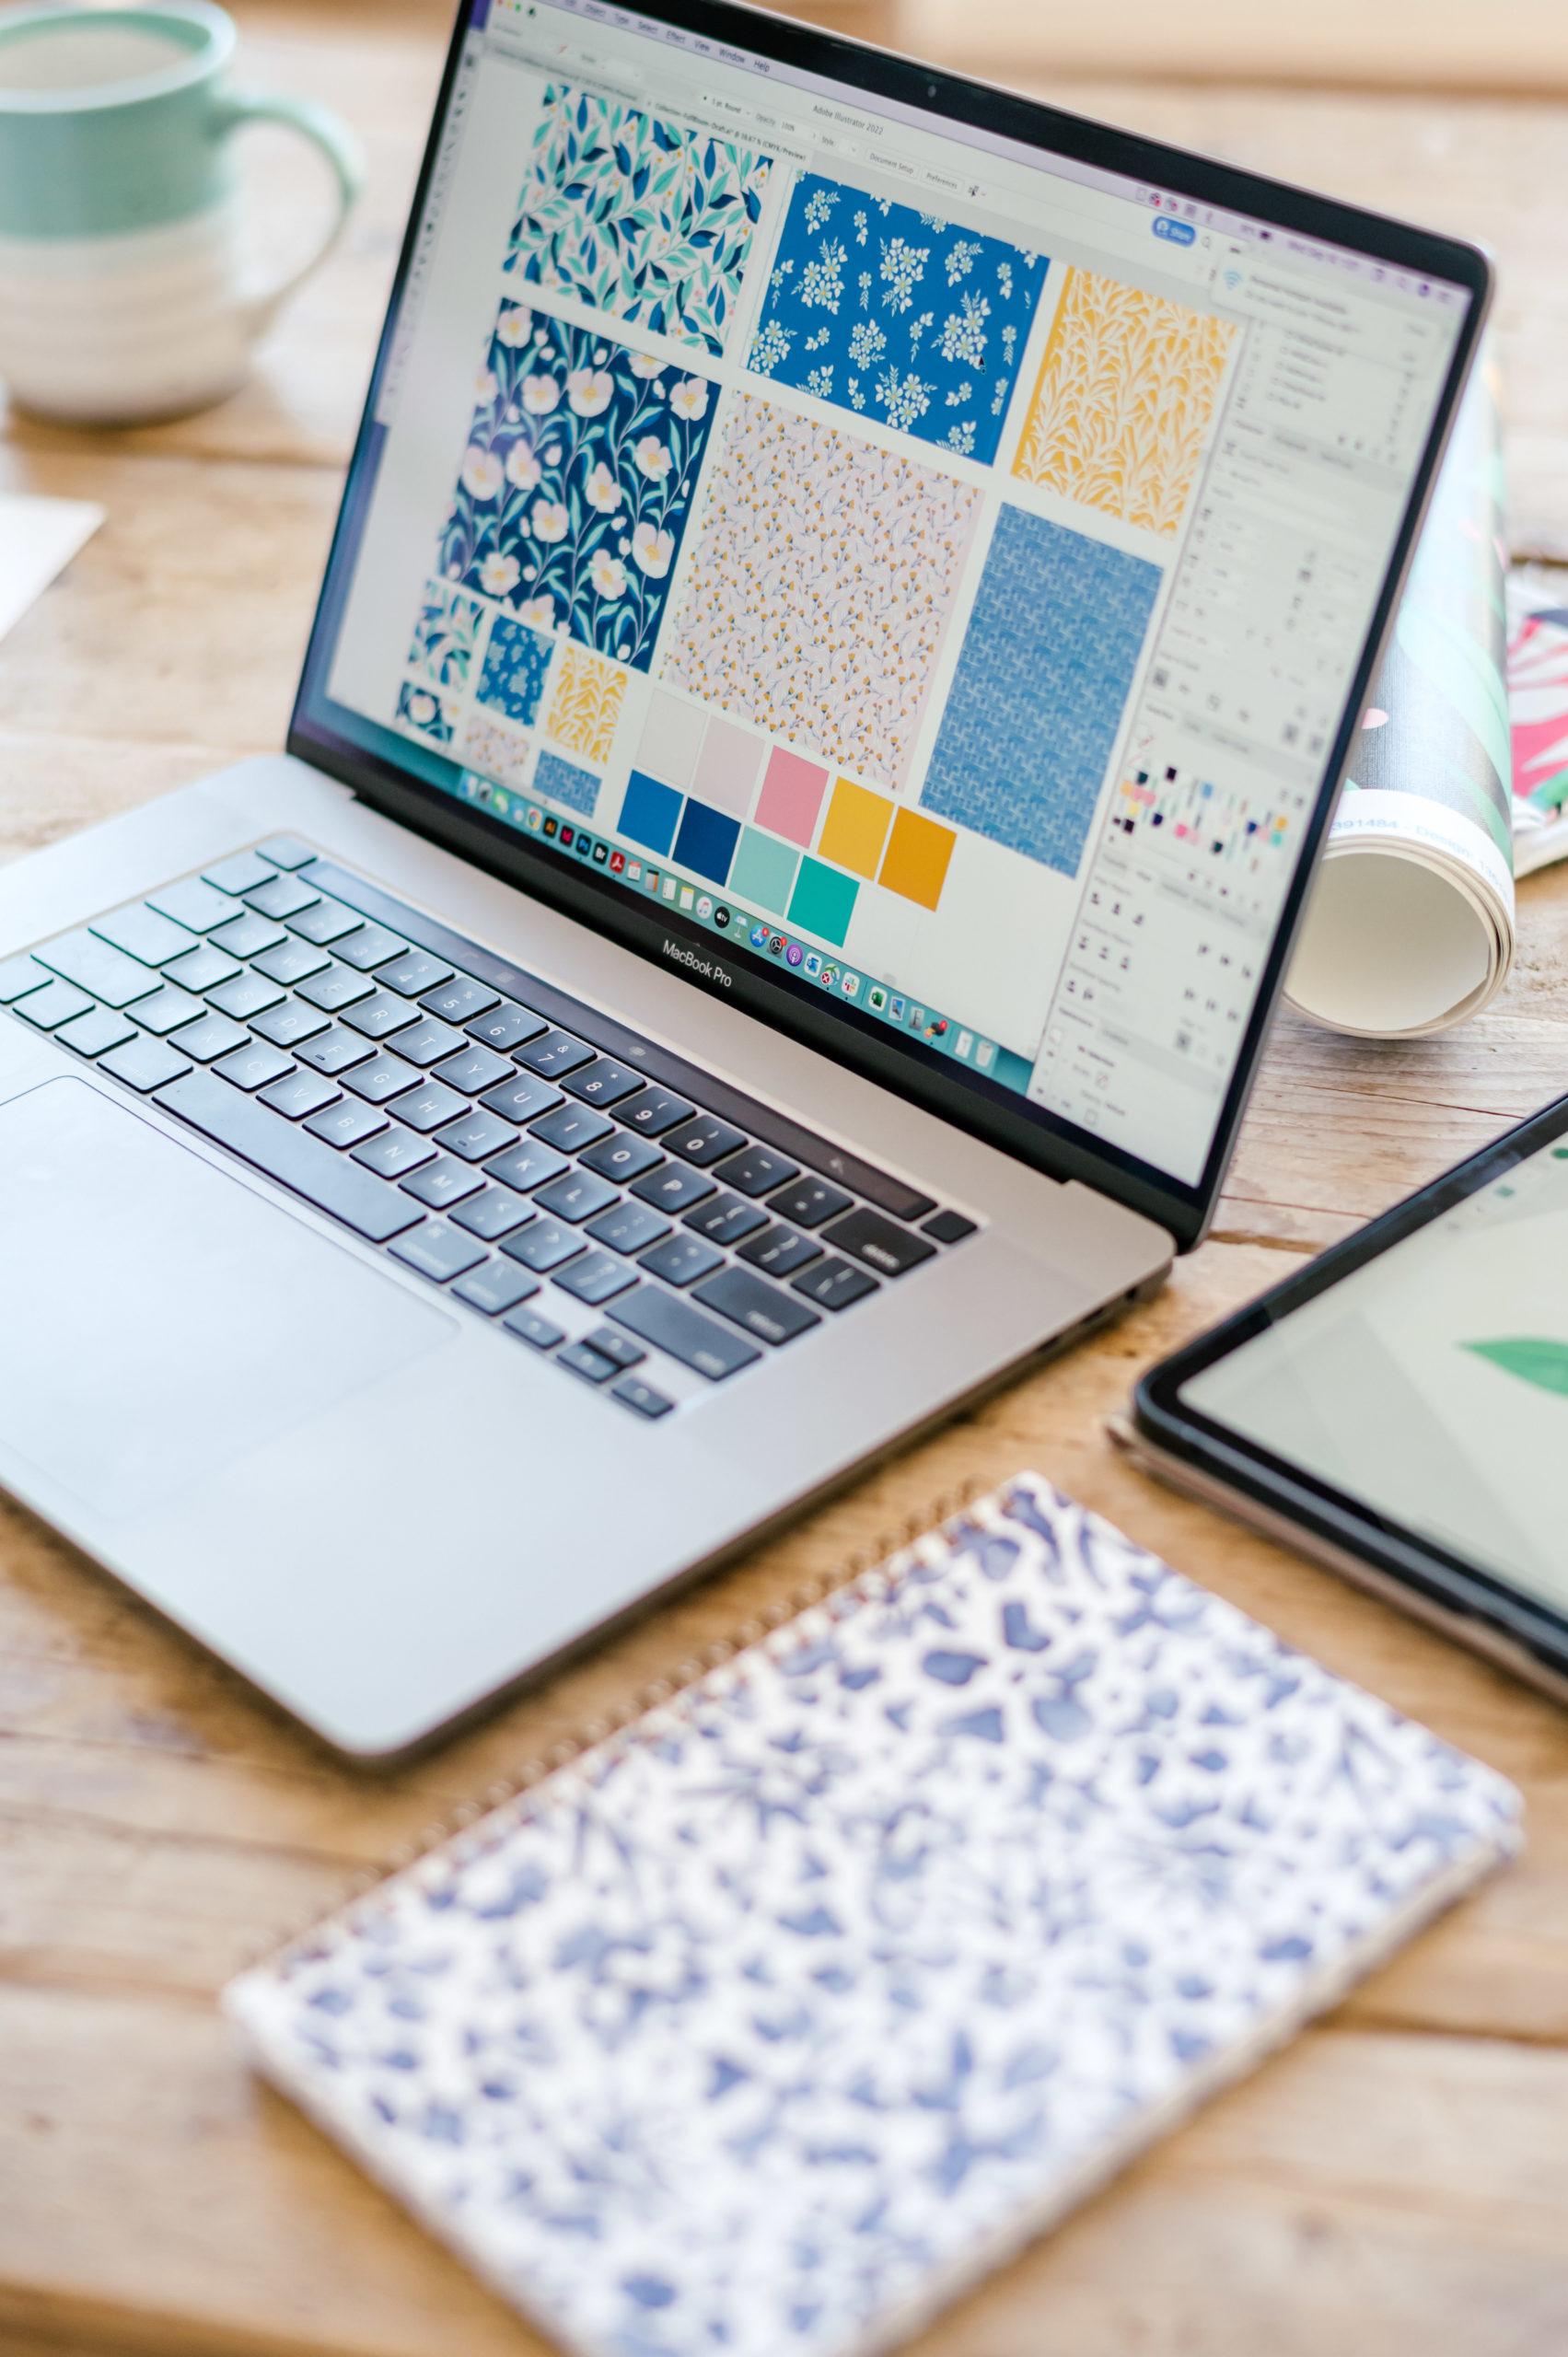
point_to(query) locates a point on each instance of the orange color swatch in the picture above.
(918, 853)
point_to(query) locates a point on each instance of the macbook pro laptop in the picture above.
(850, 602)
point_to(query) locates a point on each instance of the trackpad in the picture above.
(159, 1319)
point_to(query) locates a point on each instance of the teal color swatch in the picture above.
(823, 901)
(763, 872)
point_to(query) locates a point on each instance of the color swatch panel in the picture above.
(1042, 683)
(705, 842)
(649, 813)
(727, 766)
(791, 797)
(855, 828)
(763, 874)
(672, 739)
(917, 856)
(823, 901)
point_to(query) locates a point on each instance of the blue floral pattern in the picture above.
(826, 1984)
(576, 482)
(876, 307)
(515, 661)
(446, 635)
(421, 712)
(639, 218)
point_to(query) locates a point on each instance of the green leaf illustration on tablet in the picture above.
(1532, 1357)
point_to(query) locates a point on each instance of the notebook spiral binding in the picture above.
(926, 1522)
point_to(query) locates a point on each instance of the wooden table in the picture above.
(1398, 2179)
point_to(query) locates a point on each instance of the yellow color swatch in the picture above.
(1123, 400)
(918, 853)
(856, 828)
(586, 704)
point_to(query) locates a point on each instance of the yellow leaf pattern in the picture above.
(1123, 400)
(587, 705)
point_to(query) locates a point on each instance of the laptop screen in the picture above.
(926, 568)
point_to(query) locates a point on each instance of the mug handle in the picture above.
(330, 133)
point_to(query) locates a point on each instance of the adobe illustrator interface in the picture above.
(938, 574)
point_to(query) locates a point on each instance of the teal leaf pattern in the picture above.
(1534, 1358)
(446, 635)
(639, 218)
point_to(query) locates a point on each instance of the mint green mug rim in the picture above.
(208, 54)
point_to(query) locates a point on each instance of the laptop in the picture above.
(849, 605)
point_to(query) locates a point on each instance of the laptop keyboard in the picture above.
(596, 1198)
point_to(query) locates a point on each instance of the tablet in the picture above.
(1400, 1407)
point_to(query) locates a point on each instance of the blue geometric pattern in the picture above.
(563, 782)
(515, 664)
(1041, 686)
(761, 2022)
(873, 307)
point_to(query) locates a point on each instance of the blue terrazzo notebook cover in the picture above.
(771, 2022)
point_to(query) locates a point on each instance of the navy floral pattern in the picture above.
(421, 712)
(446, 635)
(576, 482)
(515, 661)
(827, 1981)
(876, 307)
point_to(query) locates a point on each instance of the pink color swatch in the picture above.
(792, 795)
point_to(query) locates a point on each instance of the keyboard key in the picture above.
(345, 1123)
(543, 1245)
(427, 1041)
(202, 969)
(287, 851)
(948, 1228)
(241, 873)
(92, 1033)
(611, 1345)
(653, 1112)
(288, 1154)
(891, 1250)
(493, 1213)
(554, 1052)
(642, 1398)
(97, 968)
(287, 1024)
(527, 1164)
(57, 1003)
(780, 1251)
(168, 1009)
(247, 936)
(281, 896)
(530, 1328)
(834, 1284)
(809, 1203)
(473, 1069)
(325, 921)
(755, 1169)
(302, 1093)
(147, 1064)
(506, 1026)
(393, 1154)
(598, 1278)
(686, 1334)
(253, 1065)
(194, 905)
(495, 1285)
(382, 1013)
(372, 945)
(425, 1109)
(629, 1227)
(571, 1127)
(246, 995)
(142, 933)
(726, 1219)
(591, 1364)
(407, 976)
(335, 1052)
(671, 1188)
(623, 1158)
(475, 1136)
(603, 1082)
(520, 1099)
(460, 1000)
(212, 1036)
(442, 1183)
(439, 1251)
(703, 1140)
(759, 1307)
(338, 987)
(576, 1195)
(383, 1077)
(682, 1261)
(295, 961)
(18, 975)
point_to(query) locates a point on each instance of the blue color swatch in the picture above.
(563, 782)
(649, 812)
(706, 841)
(876, 307)
(1041, 686)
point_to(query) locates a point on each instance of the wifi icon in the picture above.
(1233, 279)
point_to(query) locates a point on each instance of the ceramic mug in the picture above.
(124, 294)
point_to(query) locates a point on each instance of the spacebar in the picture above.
(289, 1156)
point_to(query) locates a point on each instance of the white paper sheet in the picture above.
(38, 539)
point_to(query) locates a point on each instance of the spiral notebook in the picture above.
(773, 2021)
